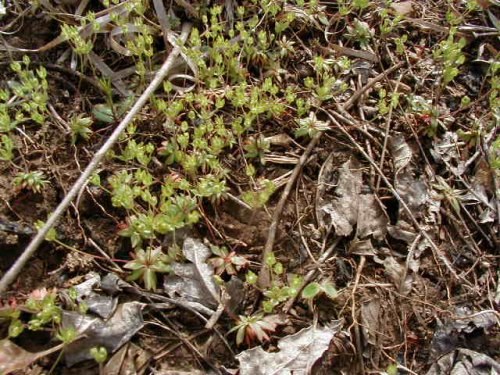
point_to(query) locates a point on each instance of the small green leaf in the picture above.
(95, 179)
(330, 290)
(240, 335)
(251, 278)
(219, 251)
(392, 369)
(73, 293)
(218, 280)
(15, 328)
(455, 204)
(149, 279)
(83, 308)
(103, 113)
(297, 281)
(100, 354)
(51, 234)
(270, 259)
(311, 291)
(278, 268)
(268, 306)
(67, 335)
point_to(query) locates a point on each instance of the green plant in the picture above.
(34, 181)
(400, 44)
(80, 127)
(257, 148)
(67, 335)
(110, 111)
(226, 261)
(449, 53)
(449, 194)
(146, 264)
(495, 154)
(24, 99)
(385, 103)
(11, 315)
(471, 136)
(259, 197)
(429, 115)
(6, 148)
(255, 327)
(313, 289)
(310, 126)
(387, 25)
(51, 234)
(73, 34)
(392, 369)
(32, 90)
(99, 353)
(360, 4)
(279, 291)
(359, 32)
(42, 304)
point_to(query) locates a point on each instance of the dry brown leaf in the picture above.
(370, 320)
(343, 210)
(371, 219)
(350, 207)
(465, 362)
(13, 357)
(112, 333)
(403, 8)
(400, 151)
(297, 353)
(194, 281)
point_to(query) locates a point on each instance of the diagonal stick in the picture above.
(16, 268)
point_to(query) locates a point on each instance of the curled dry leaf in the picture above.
(111, 334)
(297, 353)
(412, 190)
(465, 362)
(403, 8)
(395, 270)
(400, 152)
(370, 320)
(194, 281)
(343, 210)
(350, 207)
(371, 219)
(402, 231)
(281, 139)
(13, 357)
(447, 150)
(464, 323)
(102, 305)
